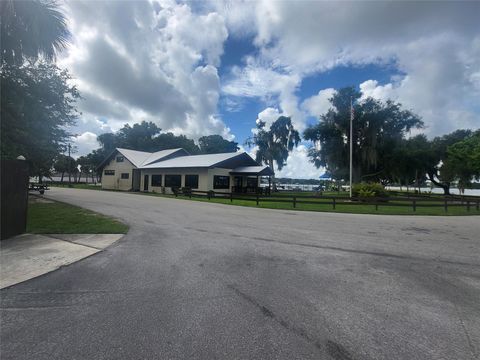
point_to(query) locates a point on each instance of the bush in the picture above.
(365, 190)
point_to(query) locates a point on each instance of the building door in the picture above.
(145, 183)
(136, 177)
(237, 183)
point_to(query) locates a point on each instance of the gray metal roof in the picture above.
(253, 170)
(140, 158)
(159, 155)
(193, 161)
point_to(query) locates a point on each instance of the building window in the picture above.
(109, 172)
(156, 180)
(221, 182)
(252, 182)
(125, 175)
(120, 158)
(191, 181)
(173, 180)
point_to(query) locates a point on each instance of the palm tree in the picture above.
(30, 29)
(276, 143)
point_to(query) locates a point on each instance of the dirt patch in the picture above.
(35, 199)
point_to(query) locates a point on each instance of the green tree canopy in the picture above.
(63, 164)
(378, 128)
(275, 143)
(215, 144)
(463, 160)
(440, 170)
(37, 105)
(145, 136)
(37, 101)
(31, 28)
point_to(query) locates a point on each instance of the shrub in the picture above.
(365, 190)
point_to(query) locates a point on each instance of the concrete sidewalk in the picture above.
(27, 256)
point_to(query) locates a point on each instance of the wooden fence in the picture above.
(414, 202)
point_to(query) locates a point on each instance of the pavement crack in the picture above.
(270, 314)
(337, 351)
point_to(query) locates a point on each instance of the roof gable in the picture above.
(163, 155)
(140, 158)
(135, 157)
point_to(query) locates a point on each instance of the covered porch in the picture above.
(246, 180)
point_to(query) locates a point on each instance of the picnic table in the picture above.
(38, 187)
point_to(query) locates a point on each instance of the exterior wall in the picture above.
(115, 182)
(201, 172)
(205, 178)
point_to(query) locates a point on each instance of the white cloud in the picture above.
(371, 88)
(268, 116)
(157, 62)
(319, 104)
(435, 44)
(299, 166)
(84, 143)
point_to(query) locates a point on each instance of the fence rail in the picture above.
(468, 202)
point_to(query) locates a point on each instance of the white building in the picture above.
(131, 170)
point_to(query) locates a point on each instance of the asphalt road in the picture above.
(193, 280)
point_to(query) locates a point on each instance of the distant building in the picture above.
(131, 170)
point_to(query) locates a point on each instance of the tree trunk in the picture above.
(416, 181)
(63, 173)
(445, 186)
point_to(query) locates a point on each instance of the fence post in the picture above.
(294, 201)
(478, 205)
(257, 199)
(334, 204)
(376, 206)
(468, 205)
(208, 195)
(414, 204)
(231, 197)
(445, 205)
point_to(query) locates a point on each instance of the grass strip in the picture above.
(54, 217)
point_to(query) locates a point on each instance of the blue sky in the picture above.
(242, 119)
(215, 67)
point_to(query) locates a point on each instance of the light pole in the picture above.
(351, 144)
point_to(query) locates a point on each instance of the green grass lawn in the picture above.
(284, 201)
(321, 206)
(51, 217)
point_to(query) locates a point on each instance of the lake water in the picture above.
(435, 190)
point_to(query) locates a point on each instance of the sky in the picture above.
(216, 67)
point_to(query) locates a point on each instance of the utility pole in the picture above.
(351, 144)
(69, 167)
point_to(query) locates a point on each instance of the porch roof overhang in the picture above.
(252, 170)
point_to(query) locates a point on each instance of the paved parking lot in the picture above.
(193, 280)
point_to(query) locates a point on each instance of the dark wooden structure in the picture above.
(14, 191)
